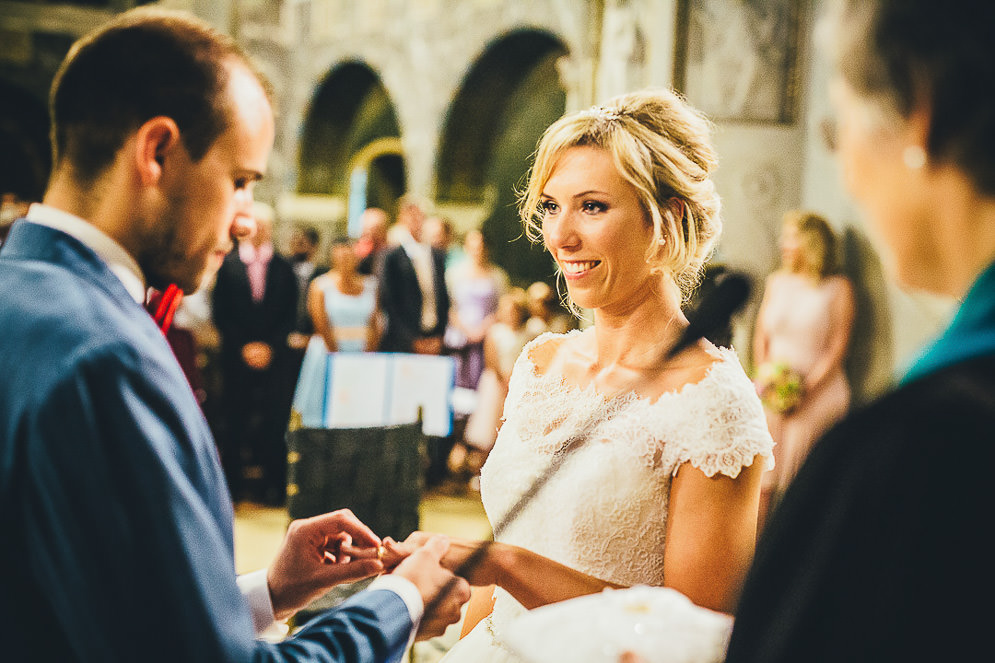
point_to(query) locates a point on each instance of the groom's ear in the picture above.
(155, 142)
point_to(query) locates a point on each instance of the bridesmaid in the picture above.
(800, 344)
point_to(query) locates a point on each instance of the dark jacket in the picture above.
(881, 549)
(240, 320)
(401, 300)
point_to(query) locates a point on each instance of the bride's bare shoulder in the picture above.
(549, 352)
(689, 367)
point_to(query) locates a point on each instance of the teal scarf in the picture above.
(971, 334)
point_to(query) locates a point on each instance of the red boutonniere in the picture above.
(162, 306)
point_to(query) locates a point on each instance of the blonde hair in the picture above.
(818, 242)
(662, 147)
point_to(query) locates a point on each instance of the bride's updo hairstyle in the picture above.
(662, 147)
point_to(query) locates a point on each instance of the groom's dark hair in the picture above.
(144, 63)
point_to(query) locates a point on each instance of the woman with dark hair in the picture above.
(342, 304)
(879, 550)
(800, 344)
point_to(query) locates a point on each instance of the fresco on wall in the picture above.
(737, 59)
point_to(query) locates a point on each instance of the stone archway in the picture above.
(350, 151)
(507, 99)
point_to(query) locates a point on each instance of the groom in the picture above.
(117, 523)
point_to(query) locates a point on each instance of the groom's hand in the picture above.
(314, 558)
(423, 568)
(455, 558)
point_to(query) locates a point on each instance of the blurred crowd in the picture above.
(253, 340)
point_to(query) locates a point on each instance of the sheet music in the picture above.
(426, 382)
(356, 389)
(370, 389)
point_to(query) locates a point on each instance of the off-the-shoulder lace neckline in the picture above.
(725, 357)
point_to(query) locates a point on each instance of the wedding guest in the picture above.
(662, 456)
(194, 314)
(342, 304)
(304, 243)
(475, 284)
(503, 343)
(545, 315)
(879, 549)
(413, 290)
(117, 523)
(439, 234)
(415, 302)
(714, 274)
(254, 304)
(799, 346)
(303, 249)
(372, 246)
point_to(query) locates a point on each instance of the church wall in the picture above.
(422, 49)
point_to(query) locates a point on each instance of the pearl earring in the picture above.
(914, 157)
(661, 240)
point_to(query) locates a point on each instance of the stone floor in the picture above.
(259, 531)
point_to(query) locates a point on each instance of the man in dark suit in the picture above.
(117, 524)
(303, 257)
(304, 244)
(413, 291)
(415, 301)
(254, 304)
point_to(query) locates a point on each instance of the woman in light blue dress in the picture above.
(343, 306)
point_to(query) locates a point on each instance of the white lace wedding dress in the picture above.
(604, 512)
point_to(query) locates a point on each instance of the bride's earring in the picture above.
(914, 157)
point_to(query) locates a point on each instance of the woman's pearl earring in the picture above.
(914, 157)
(661, 240)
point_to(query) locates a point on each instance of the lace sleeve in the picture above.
(722, 429)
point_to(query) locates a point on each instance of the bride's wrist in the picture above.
(499, 560)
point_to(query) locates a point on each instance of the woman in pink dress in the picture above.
(799, 346)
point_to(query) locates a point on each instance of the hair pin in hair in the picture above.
(602, 113)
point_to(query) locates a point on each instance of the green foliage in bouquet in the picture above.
(779, 386)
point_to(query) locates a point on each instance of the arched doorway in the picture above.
(507, 99)
(350, 151)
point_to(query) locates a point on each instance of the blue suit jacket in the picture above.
(117, 527)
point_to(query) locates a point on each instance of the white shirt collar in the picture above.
(411, 246)
(118, 260)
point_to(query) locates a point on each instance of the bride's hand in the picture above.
(459, 552)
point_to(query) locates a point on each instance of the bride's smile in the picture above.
(595, 227)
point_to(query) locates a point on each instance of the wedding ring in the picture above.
(380, 553)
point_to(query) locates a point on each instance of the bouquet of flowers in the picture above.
(779, 386)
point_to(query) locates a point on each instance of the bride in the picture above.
(660, 484)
